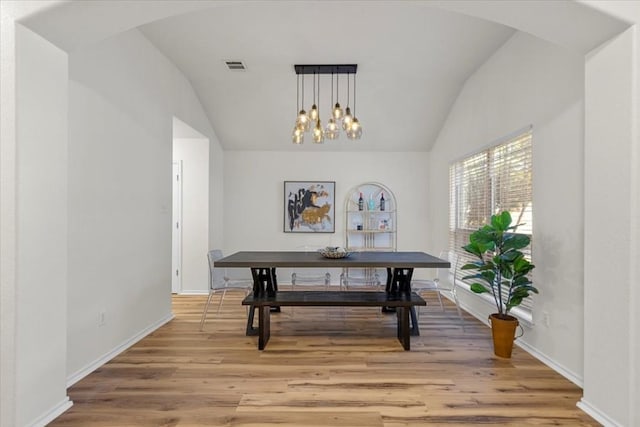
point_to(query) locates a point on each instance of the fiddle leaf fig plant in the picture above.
(501, 268)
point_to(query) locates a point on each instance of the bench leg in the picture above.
(404, 335)
(415, 329)
(264, 320)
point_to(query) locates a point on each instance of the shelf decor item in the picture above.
(502, 270)
(309, 206)
(334, 252)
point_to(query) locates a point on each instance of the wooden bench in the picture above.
(402, 302)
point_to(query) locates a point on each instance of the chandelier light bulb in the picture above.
(347, 119)
(303, 122)
(332, 131)
(313, 113)
(318, 133)
(337, 112)
(298, 135)
(355, 131)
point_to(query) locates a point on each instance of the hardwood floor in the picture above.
(322, 367)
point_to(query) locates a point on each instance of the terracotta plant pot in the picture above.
(503, 329)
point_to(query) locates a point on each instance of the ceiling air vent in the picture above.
(235, 65)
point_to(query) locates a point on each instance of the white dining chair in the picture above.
(310, 276)
(220, 283)
(441, 284)
(360, 278)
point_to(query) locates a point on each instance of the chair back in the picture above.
(443, 273)
(310, 275)
(216, 275)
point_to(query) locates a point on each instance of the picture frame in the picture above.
(309, 206)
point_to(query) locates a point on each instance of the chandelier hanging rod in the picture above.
(326, 68)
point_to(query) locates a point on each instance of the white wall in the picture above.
(254, 199)
(611, 232)
(194, 154)
(41, 345)
(529, 81)
(123, 97)
(11, 191)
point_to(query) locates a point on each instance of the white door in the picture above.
(176, 235)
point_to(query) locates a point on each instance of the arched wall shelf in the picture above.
(370, 227)
(374, 228)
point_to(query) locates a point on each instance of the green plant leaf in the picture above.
(506, 269)
(513, 302)
(489, 276)
(486, 266)
(472, 266)
(522, 266)
(474, 248)
(520, 293)
(501, 266)
(529, 289)
(478, 288)
(501, 221)
(515, 241)
(485, 238)
(510, 255)
(520, 281)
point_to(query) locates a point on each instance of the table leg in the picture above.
(272, 287)
(400, 281)
(389, 283)
(264, 282)
(388, 288)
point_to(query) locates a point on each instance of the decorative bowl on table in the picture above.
(334, 252)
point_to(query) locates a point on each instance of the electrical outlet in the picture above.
(545, 319)
(102, 318)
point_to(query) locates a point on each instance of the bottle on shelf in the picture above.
(372, 203)
(360, 203)
(381, 201)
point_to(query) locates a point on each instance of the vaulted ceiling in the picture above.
(413, 56)
(412, 62)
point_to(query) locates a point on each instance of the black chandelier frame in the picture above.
(326, 68)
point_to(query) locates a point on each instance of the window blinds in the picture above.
(494, 180)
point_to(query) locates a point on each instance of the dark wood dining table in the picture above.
(263, 265)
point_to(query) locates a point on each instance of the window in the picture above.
(488, 182)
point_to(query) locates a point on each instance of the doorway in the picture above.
(190, 218)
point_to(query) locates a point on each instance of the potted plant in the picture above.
(501, 270)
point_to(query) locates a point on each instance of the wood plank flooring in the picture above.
(337, 366)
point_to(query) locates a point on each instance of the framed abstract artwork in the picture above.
(309, 206)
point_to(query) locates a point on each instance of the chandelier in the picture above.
(338, 118)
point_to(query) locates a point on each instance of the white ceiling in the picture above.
(412, 62)
(413, 56)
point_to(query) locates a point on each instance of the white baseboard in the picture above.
(596, 414)
(568, 374)
(53, 413)
(83, 372)
(193, 292)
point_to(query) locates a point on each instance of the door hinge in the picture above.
(177, 177)
(177, 225)
(176, 272)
